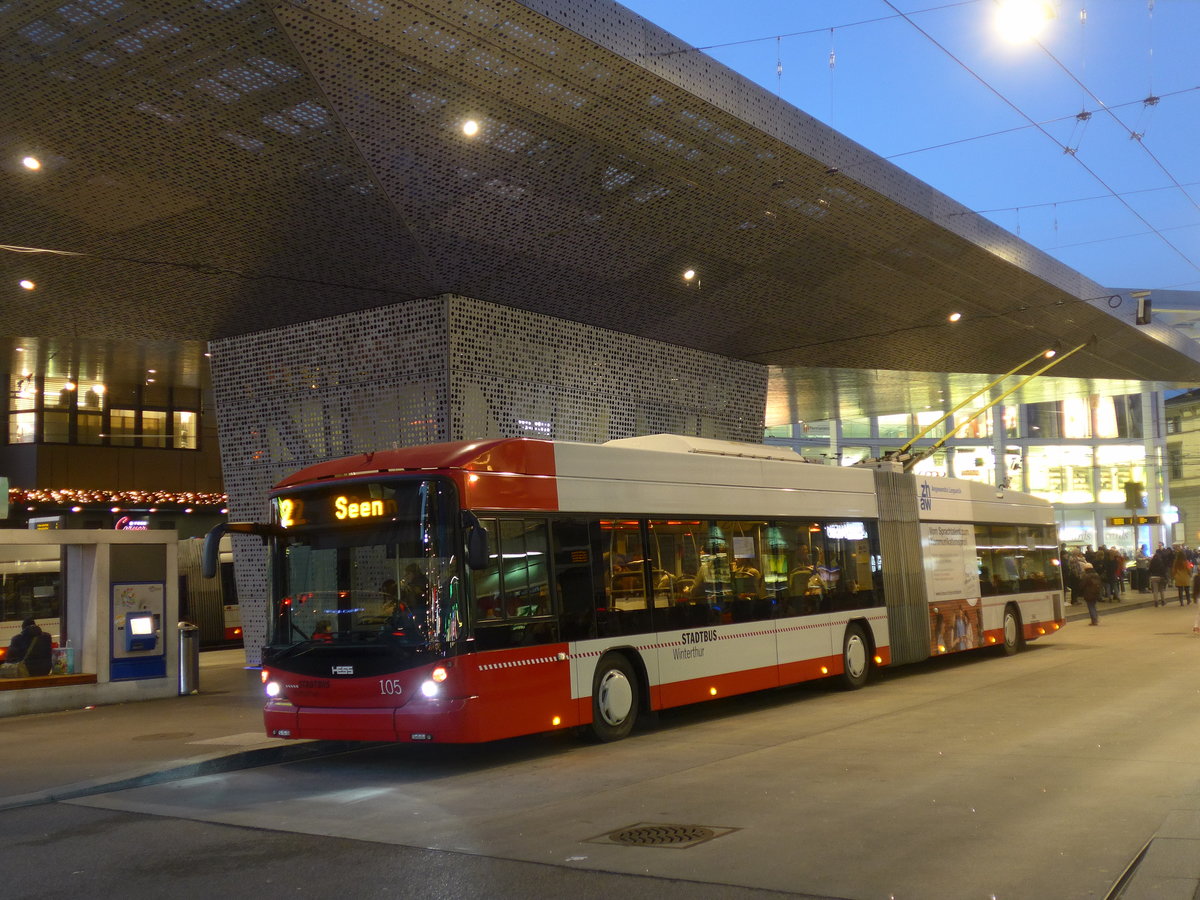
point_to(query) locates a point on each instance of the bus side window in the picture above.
(486, 582)
(573, 577)
(625, 610)
(524, 560)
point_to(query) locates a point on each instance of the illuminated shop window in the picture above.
(1119, 417)
(975, 464)
(927, 418)
(154, 428)
(1061, 474)
(856, 428)
(895, 426)
(1011, 421)
(1077, 531)
(91, 396)
(1014, 469)
(852, 455)
(58, 393)
(937, 464)
(22, 393)
(88, 428)
(1077, 417)
(122, 427)
(185, 430)
(1116, 465)
(976, 428)
(56, 427)
(22, 428)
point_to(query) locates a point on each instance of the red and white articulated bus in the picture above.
(479, 590)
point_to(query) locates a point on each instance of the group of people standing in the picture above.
(1095, 575)
(1175, 565)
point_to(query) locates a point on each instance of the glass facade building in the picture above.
(1079, 453)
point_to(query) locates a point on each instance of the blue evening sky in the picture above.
(913, 90)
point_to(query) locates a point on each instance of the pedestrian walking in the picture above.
(1160, 567)
(1181, 574)
(1091, 587)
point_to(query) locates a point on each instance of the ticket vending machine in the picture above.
(138, 649)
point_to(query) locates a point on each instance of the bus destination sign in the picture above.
(333, 508)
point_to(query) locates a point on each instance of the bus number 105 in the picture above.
(389, 686)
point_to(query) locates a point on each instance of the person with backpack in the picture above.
(29, 651)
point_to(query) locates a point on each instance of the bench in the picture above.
(37, 681)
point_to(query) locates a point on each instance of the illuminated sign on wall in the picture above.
(127, 524)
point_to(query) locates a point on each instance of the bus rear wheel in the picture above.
(1012, 630)
(614, 698)
(856, 658)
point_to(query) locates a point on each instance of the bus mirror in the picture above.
(212, 542)
(476, 541)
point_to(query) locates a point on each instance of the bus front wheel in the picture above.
(614, 698)
(1012, 630)
(856, 658)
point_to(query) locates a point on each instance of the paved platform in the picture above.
(75, 753)
(59, 755)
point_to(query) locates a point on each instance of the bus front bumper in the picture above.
(433, 720)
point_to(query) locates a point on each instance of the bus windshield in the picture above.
(388, 575)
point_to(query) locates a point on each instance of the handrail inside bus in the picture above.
(212, 541)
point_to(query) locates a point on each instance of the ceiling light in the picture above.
(1050, 354)
(32, 163)
(470, 128)
(689, 274)
(27, 284)
(954, 317)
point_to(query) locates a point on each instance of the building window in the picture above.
(1175, 461)
(88, 428)
(1117, 465)
(857, 428)
(895, 426)
(1061, 474)
(184, 430)
(975, 464)
(22, 428)
(1173, 424)
(154, 428)
(56, 427)
(122, 427)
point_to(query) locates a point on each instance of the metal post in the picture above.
(189, 659)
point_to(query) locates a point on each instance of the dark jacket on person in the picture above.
(32, 647)
(1090, 586)
(1160, 563)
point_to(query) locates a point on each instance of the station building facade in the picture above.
(1078, 453)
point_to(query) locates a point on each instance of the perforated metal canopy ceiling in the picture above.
(226, 166)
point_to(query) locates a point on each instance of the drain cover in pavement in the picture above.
(654, 834)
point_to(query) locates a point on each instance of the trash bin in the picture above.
(189, 658)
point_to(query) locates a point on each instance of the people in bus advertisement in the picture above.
(955, 625)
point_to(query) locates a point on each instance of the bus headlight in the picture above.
(272, 688)
(429, 688)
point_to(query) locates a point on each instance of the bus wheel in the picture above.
(856, 658)
(1012, 630)
(614, 698)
